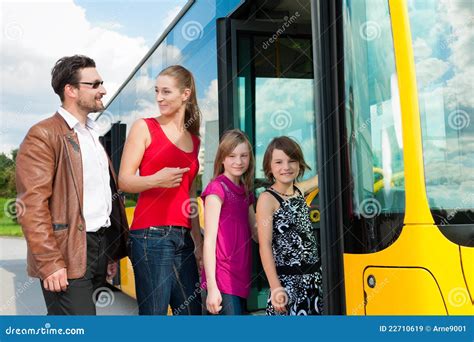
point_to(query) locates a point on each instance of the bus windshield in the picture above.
(442, 43)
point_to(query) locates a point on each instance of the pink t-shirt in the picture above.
(233, 246)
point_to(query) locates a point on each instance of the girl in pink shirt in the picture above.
(229, 220)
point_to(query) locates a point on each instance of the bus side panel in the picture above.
(127, 278)
(420, 246)
(467, 260)
(389, 293)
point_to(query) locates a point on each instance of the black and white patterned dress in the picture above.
(296, 257)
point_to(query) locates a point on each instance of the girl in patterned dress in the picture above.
(287, 239)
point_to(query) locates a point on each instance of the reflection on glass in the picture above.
(373, 125)
(275, 94)
(192, 43)
(443, 48)
(285, 107)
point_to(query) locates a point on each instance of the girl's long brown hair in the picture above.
(229, 141)
(185, 79)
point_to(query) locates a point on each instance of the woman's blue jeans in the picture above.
(165, 270)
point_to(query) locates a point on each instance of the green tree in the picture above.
(7, 175)
(5, 161)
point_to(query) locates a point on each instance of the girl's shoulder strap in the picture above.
(298, 189)
(278, 197)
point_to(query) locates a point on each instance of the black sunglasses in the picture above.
(94, 85)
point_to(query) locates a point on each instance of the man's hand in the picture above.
(111, 270)
(57, 281)
(198, 253)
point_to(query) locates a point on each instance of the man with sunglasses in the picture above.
(74, 219)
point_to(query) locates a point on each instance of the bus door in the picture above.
(266, 83)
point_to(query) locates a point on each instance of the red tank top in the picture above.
(165, 206)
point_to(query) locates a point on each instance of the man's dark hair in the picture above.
(66, 71)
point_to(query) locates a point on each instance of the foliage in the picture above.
(7, 175)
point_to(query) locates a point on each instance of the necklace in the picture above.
(282, 194)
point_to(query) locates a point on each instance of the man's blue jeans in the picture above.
(165, 271)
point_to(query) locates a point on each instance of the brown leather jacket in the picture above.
(50, 193)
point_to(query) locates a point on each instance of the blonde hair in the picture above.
(229, 141)
(185, 79)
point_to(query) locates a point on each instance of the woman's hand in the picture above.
(214, 300)
(169, 177)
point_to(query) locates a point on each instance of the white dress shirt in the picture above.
(97, 197)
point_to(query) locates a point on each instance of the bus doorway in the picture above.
(266, 89)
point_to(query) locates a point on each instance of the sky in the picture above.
(35, 34)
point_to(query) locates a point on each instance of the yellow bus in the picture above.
(379, 95)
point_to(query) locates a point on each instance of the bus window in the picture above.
(375, 199)
(284, 102)
(442, 44)
(283, 95)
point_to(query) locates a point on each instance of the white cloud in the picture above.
(167, 55)
(457, 15)
(460, 87)
(170, 15)
(14, 126)
(144, 84)
(430, 70)
(209, 104)
(110, 25)
(35, 35)
(421, 48)
(449, 170)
